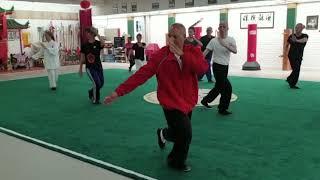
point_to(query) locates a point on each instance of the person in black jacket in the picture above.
(297, 42)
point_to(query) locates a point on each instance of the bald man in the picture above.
(297, 42)
(221, 47)
(176, 67)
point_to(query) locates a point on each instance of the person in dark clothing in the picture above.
(297, 42)
(205, 41)
(138, 49)
(90, 55)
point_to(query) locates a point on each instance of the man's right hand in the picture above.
(175, 49)
(109, 99)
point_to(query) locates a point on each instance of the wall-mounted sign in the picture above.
(262, 19)
(13, 35)
(134, 7)
(118, 42)
(212, 1)
(172, 3)
(312, 22)
(124, 7)
(115, 8)
(155, 5)
(189, 3)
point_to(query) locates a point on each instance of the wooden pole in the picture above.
(20, 38)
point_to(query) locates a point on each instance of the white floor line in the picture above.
(270, 73)
(126, 171)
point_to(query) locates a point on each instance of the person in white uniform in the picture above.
(221, 48)
(51, 59)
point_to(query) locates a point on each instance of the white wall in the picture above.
(311, 54)
(158, 29)
(105, 22)
(45, 24)
(146, 5)
(46, 7)
(36, 6)
(210, 18)
(140, 27)
(269, 41)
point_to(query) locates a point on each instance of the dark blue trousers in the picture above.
(208, 73)
(96, 76)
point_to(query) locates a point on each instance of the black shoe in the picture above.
(53, 88)
(160, 142)
(184, 168)
(96, 102)
(210, 81)
(224, 112)
(294, 87)
(205, 104)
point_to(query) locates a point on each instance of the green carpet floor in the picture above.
(272, 134)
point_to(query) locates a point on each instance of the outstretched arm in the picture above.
(137, 79)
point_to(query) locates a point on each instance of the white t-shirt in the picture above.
(221, 55)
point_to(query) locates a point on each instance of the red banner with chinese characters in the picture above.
(252, 42)
(85, 22)
(3, 39)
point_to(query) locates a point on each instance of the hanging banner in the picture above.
(85, 22)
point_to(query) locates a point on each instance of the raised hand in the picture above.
(222, 42)
(175, 49)
(293, 38)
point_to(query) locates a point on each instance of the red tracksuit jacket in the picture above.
(177, 87)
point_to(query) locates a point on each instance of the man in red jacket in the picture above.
(176, 67)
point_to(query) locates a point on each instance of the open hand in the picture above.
(222, 42)
(293, 38)
(109, 99)
(175, 49)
